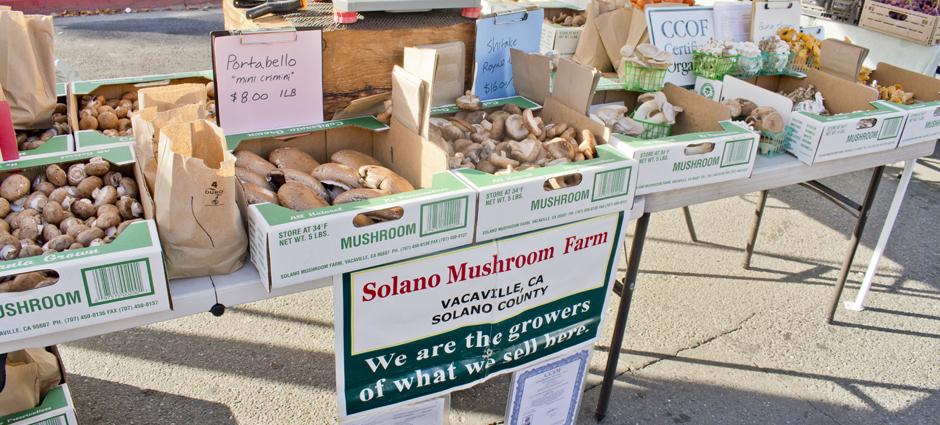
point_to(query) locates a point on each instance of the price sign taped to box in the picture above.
(269, 79)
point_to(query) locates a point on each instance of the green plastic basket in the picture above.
(653, 130)
(775, 63)
(711, 66)
(642, 79)
(749, 66)
(772, 143)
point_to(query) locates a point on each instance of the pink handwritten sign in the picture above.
(268, 80)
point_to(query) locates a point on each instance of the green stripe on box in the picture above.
(85, 87)
(519, 101)
(366, 123)
(119, 154)
(606, 154)
(55, 399)
(135, 236)
(91, 139)
(57, 144)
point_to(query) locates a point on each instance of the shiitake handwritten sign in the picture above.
(495, 36)
(268, 80)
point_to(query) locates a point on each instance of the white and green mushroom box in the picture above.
(921, 124)
(97, 284)
(693, 159)
(536, 198)
(290, 247)
(815, 138)
(115, 87)
(56, 408)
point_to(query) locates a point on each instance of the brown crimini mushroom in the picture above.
(108, 209)
(5, 227)
(123, 124)
(76, 229)
(88, 186)
(88, 122)
(338, 175)
(45, 188)
(97, 166)
(253, 162)
(121, 111)
(107, 220)
(353, 159)
(245, 175)
(23, 282)
(14, 187)
(107, 120)
(4, 207)
(124, 225)
(279, 177)
(88, 235)
(130, 208)
(75, 245)
(105, 195)
(359, 194)
(59, 243)
(9, 246)
(255, 194)
(36, 200)
(83, 209)
(113, 178)
(56, 175)
(60, 194)
(68, 222)
(76, 174)
(50, 232)
(30, 250)
(29, 227)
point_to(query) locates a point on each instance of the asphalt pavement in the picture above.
(707, 342)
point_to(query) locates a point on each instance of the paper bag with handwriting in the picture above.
(195, 202)
(147, 124)
(29, 375)
(27, 74)
(842, 59)
(171, 96)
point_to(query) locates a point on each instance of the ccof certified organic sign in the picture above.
(419, 328)
(680, 30)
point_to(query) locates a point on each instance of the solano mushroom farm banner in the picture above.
(415, 329)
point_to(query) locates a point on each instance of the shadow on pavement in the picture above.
(193, 25)
(103, 402)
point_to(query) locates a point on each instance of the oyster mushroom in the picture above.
(378, 177)
(337, 174)
(469, 102)
(532, 123)
(525, 151)
(515, 127)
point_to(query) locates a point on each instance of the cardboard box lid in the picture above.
(841, 58)
(924, 87)
(532, 79)
(698, 114)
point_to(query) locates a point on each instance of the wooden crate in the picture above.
(358, 58)
(899, 22)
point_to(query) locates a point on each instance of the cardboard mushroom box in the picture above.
(532, 167)
(922, 122)
(77, 242)
(319, 202)
(99, 110)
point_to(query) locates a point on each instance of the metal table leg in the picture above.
(856, 238)
(758, 215)
(688, 223)
(859, 302)
(623, 311)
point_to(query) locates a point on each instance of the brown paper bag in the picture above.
(195, 198)
(172, 96)
(842, 59)
(28, 72)
(590, 50)
(30, 374)
(449, 79)
(614, 28)
(147, 124)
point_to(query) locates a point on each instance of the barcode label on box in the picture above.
(117, 282)
(443, 216)
(736, 152)
(890, 128)
(611, 184)
(57, 420)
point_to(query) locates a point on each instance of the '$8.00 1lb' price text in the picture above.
(246, 96)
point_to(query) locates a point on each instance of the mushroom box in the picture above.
(99, 110)
(530, 169)
(51, 141)
(705, 147)
(319, 203)
(923, 110)
(844, 123)
(77, 245)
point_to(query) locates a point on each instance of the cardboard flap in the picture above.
(699, 113)
(422, 63)
(450, 76)
(734, 88)
(576, 85)
(364, 106)
(531, 75)
(409, 99)
(842, 59)
(614, 28)
(924, 87)
(839, 95)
